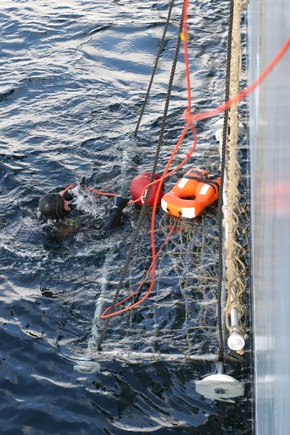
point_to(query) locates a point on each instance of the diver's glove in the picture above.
(116, 213)
(69, 194)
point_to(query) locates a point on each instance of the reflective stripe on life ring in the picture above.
(190, 195)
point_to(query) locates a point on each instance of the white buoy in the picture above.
(220, 387)
(236, 341)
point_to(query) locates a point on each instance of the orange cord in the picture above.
(67, 188)
(105, 315)
(160, 181)
(244, 93)
(190, 118)
(98, 192)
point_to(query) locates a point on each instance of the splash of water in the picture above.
(85, 201)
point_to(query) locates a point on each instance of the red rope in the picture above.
(241, 95)
(160, 182)
(97, 192)
(67, 188)
(190, 118)
(153, 264)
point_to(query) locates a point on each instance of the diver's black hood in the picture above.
(51, 205)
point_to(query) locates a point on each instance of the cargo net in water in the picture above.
(179, 318)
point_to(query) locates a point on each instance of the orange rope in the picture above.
(154, 255)
(105, 315)
(190, 118)
(98, 192)
(241, 95)
(67, 188)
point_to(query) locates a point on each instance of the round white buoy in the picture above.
(236, 341)
(219, 134)
(220, 387)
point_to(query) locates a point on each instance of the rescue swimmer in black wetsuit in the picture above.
(57, 206)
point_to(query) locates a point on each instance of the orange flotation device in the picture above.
(191, 194)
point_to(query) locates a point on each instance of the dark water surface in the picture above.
(73, 79)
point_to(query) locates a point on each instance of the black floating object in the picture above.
(116, 213)
(82, 183)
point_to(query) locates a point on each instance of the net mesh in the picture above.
(179, 319)
(180, 316)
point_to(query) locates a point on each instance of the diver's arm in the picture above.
(116, 213)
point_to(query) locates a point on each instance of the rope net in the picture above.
(180, 318)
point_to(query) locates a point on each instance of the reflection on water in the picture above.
(75, 75)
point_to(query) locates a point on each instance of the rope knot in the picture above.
(187, 116)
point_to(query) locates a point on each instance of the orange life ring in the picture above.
(191, 194)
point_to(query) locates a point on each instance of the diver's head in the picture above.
(53, 206)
